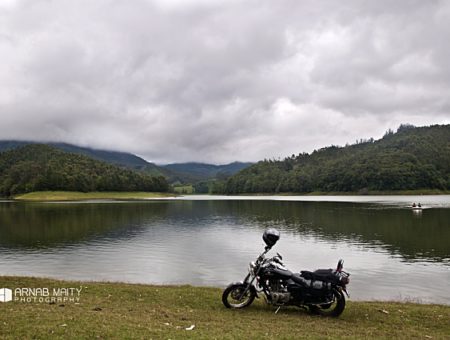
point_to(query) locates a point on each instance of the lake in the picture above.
(391, 251)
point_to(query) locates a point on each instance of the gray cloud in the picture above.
(220, 81)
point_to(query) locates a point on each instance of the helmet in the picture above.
(271, 236)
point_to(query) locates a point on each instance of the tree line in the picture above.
(411, 158)
(38, 167)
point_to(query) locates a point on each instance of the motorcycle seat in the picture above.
(319, 275)
(323, 271)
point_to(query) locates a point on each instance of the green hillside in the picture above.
(186, 173)
(122, 159)
(195, 172)
(37, 167)
(410, 159)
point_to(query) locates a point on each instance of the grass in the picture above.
(370, 193)
(183, 189)
(79, 196)
(130, 311)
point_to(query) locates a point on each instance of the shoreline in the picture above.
(50, 196)
(424, 192)
(94, 195)
(124, 310)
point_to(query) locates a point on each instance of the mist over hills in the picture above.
(409, 159)
(193, 172)
(175, 173)
(123, 159)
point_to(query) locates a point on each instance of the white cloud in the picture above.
(220, 81)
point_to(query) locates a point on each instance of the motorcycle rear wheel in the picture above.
(335, 308)
(230, 296)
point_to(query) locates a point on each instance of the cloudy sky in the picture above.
(218, 81)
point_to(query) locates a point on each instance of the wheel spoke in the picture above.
(236, 302)
(233, 296)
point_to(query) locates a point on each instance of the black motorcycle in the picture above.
(322, 291)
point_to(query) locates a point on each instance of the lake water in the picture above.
(391, 251)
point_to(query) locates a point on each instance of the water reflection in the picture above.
(415, 235)
(394, 251)
(41, 225)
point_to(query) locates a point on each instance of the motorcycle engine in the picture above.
(278, 293)
(280, 298)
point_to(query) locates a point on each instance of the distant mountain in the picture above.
(181, 172)
(194, 172)
(39, 167)
(412, 158)
(122, 159)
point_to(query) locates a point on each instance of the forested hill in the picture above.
(37, 167)
(411, 158)
(122, 159)
(174, 173)
(194, 172)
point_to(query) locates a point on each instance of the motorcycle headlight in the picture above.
(344, 277)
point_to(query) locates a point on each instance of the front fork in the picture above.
(344, 289)
(248, 285)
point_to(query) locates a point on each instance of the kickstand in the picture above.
(277, 309)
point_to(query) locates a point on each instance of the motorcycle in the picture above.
(321, 291)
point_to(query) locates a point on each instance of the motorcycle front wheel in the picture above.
(231, 296)
(334, 308)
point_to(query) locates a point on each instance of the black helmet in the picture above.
(271, 236)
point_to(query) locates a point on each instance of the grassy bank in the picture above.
(183, 189)
(80, 196)
(383, 193)
(356, 193)
(117, 310)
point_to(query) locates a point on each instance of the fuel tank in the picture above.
(278, 273)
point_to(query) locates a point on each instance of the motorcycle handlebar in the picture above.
(277, 260)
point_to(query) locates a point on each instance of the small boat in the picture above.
(416, 207)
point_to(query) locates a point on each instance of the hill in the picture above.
(195, 172)
(412, 158)
(122, 159)
(175, 173)
(37, 167)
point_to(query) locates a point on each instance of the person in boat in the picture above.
(414, 205)
(419, 205)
